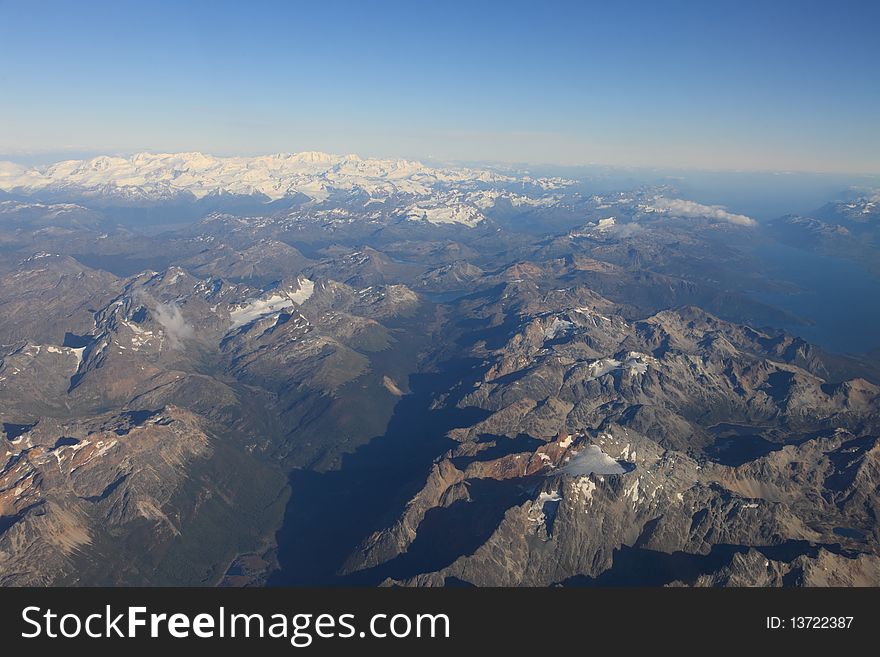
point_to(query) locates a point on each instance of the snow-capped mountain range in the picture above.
(318, 176)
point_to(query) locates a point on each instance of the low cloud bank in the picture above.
(681, 208)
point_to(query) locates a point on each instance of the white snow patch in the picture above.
(589, 460)
(549, 497)
(634, 364)
(305, 291)
(602, 367)
(633, 491)
(78, 352)
(447, 214)
(557, 327)
(279, 300)
(586, 486)
(256, 308)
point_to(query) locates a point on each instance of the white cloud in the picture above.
(622, 231)
(176, 328)
(682, 208)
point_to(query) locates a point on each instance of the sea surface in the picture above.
(840, 299)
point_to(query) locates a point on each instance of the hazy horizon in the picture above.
(38, 158)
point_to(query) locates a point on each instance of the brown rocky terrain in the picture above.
(337, 392)
(673, 434)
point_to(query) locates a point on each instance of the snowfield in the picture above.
(591, 460)
(163, 176)
(277, 301)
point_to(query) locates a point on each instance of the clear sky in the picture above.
(783, 85)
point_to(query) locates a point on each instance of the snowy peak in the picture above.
(318, 176)
(271, 302)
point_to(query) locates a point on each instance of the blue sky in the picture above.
(726, 85)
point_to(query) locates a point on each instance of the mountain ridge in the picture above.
(312, 173)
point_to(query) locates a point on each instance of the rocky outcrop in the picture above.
(65, 485)
(680, 434)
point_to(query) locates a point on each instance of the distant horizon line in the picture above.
(44, 157)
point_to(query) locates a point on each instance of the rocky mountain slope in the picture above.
(348, 371)
(674, 434)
